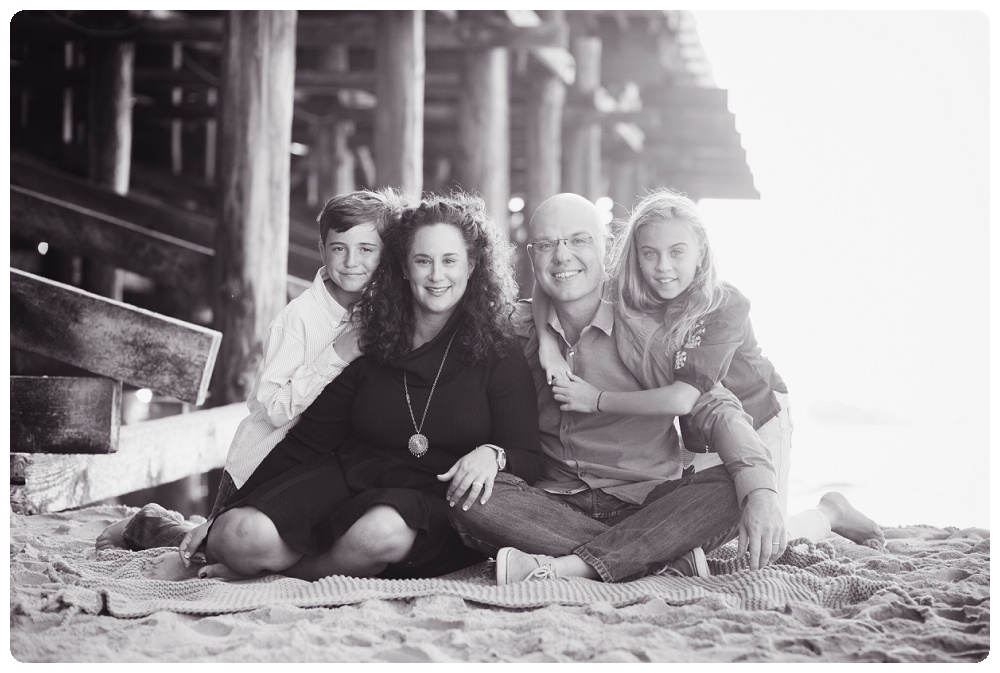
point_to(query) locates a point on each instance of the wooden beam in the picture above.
(110, 338)
(149, 454)
(251, 239)
(125, 244)
(62, 414)
(399, 119)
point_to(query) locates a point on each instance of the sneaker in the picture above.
(515, 566)
(688, 564)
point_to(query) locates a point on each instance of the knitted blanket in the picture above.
(944, 586)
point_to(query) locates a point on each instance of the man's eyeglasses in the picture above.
(545, 246)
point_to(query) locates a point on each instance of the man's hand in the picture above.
(762, 528)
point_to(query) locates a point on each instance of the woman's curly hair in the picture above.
(385, 311)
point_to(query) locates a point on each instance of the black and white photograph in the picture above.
(473, 336)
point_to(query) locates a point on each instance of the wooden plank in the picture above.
(138, 210)
(110, 338)
(399, 119)
(252, 235)
(63, 414)
(160, 256)
(149, 454)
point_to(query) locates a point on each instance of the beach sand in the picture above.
(925, 598)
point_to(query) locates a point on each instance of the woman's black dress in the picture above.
(349, 452)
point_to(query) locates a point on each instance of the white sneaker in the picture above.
(688, 564)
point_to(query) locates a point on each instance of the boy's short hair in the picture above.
(346, 211)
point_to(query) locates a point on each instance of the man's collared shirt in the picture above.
(626, 456)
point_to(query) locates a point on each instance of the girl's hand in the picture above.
(553, 363)
(346, 344)
(575, 394)
(473, 473)
(191, 542)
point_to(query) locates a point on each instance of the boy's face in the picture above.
(351, 256)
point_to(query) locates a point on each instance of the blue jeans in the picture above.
(620, 540)
(152, 526)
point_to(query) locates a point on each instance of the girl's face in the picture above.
(438, 269)
(669, 256)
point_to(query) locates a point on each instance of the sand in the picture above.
(924, 598)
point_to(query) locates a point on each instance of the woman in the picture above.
(442, 401)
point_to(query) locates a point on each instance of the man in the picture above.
(612, 503)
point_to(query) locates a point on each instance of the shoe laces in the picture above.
(542, 572)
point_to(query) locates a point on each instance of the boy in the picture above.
(309, 343)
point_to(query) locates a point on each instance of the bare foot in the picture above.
(168, 566)
(112, 535)
(845, 520)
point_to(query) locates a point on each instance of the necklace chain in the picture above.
(428, 405)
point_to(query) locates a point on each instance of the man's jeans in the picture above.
(621, 541)
(152, 526)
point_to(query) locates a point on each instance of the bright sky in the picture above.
(867, 257)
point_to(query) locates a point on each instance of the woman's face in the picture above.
(438, 269)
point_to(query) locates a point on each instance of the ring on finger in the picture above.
(477, 483)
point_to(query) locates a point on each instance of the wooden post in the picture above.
(399, 87)
(623, 189)
(582, 149)
(545, 113)
(331, 163)
(484, 130)
(251, 242)
(343, 158)
(109, 141)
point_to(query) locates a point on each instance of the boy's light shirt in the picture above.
(299, 360)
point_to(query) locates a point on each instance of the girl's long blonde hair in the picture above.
(628, 288)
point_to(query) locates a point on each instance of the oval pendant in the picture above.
(418, 445)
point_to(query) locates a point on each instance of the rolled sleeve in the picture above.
(729, 432)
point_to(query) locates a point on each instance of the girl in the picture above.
(682, 331)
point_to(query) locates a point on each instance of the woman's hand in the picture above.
(553, 363)
(575, 394)
(192, 541)
(474, 472)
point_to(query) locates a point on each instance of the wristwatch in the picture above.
(501, 456)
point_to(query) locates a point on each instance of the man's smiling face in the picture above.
(573, 268)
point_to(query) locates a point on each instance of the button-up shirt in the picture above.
(626, 456)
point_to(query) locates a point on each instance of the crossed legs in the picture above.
(698, 511)
(245, 543)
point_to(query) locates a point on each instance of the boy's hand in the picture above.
(575, 394)
(191, 542)
(346, 345)
(553, 363)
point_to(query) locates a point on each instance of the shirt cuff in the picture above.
(329, 364)
(751, 478)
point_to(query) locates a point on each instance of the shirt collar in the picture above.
(604, 318)
(338, 312)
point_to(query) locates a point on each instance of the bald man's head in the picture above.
(566, 207)
(567, 237)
